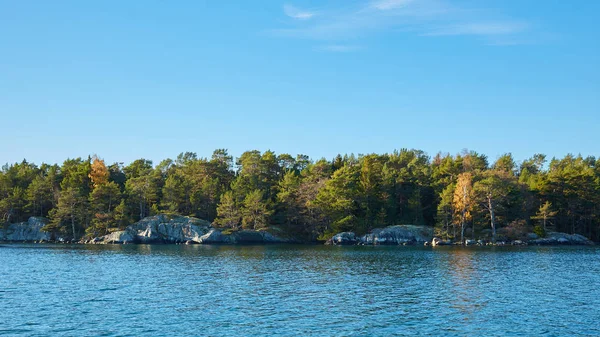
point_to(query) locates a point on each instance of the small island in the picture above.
(401, 198)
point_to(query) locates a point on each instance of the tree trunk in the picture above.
(73, 226)
(544, 223)
(462, 228)
(492, 218)
(453, 231)
(464, 215)
(447, 229)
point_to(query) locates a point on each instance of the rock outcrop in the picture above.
(343, 239)
(188, 230)
(408, 235)
(181, 229)
(165, 229)
(31, 230)
(557, 238)
(392, 235)
(398, 235)
(115, 237)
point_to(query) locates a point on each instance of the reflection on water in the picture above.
(462, 276)
(174, 290)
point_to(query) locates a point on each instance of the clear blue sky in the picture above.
(150, 79)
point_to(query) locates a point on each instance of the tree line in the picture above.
(461, 195)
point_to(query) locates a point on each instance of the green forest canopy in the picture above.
(312, 199)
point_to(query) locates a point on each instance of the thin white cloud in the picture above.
(364, 18)
(385, 5)
(296, 13)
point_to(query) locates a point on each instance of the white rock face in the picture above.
(118, 237)
(161, 229)
(214, 236)
(180, 229)
(439, 242)
(343, 238)
(27, 231)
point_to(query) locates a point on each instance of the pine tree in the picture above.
(255, 213)
(228, 214)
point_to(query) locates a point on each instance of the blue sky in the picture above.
(150, 79)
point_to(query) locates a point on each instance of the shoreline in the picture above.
(307, 244)
(163, 229)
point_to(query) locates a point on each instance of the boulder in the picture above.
(558, 238)
(31, 230)
(94, 240)
(214, 236)
(470, 242)
(343, 239)
(570, 239)
(440, 242)
(398, 235)
(118, 237)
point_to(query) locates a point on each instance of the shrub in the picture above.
(539, 231)
(516, 230)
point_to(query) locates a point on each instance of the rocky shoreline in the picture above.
(418, 235)
(392, 235)
(167, 229)
(158, 229)
(180, 229)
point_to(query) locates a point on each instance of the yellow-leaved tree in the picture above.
(99, 172)
(462, 203)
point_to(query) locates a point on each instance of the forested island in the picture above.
(459, 197)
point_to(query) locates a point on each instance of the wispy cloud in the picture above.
(385, 5)
(296, 13)
(426, 18)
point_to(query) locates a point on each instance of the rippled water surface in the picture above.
(138, 290)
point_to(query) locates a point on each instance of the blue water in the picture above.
(141, 290)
